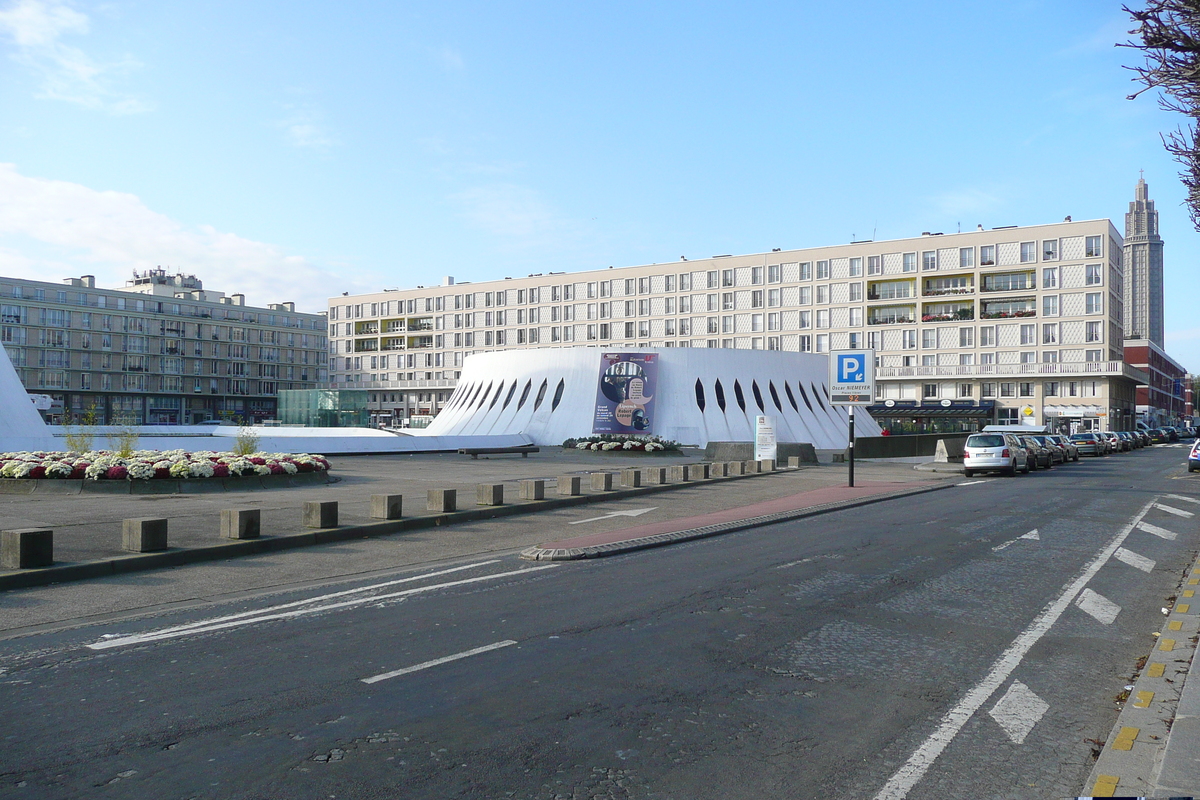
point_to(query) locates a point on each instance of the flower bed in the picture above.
(146, 465)
(609, 442)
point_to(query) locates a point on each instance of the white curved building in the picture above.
(692, 395)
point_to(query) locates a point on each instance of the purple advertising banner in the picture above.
(625, 395)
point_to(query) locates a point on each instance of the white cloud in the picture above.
(55, 229)
(35, 29)
(304, 127)
(511, 211)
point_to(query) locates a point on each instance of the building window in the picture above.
(756, 276)
(908, 340)
(805, 319)
(1092, 332)
(966, 337)
(1050, 389)
(966, 256)
(929, 338)
(1093, 303)
(1093, 355)
(874, 265)
(966, 359)
(856, 318)
(1028, 357)
(1050, 305)
(965, 389)
(856, 268)
(929, 260)
(987, 390)
(1026, 390)
(822, 270)
(772, 342)
(823, 293)
(805, 296)
(685, 282)
(1050, 333)
(856, 292)
(910, 262)
(773, 323)
(1008, 390)
(1028, 252)
(822, 342)
(987, 255)
(929, 390)
(987, 336)
(727, 278)
(756, 299)
(1050, 250)
(1049, 356)
(774, 275)
(1028, 334)
(1093, 247)
(823, 318)
(1093, 275)
(727, 325)
(805, 344)
(806, 270)
(774, 298)
(756, 323)
(929, 361)
(855, 341)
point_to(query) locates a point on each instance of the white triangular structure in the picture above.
(21, 426)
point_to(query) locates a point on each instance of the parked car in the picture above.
(1172, 434)
(1129, 439)
(1057, 454)
(1144, 436)
(1194, 457)
(1158, 436)
(994, 452)
(1070, 451)
(1115, 442)
(1089, 444)
(1039, 454)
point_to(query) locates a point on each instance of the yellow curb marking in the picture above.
(1174, 625)
(1156, 670)
(1106, 786)
(1182, 608)
(1125, 739)
(1166, 645)
(1189, 592)
(1194, 582)
(1143, 699)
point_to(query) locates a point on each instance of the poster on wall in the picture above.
(625, 395)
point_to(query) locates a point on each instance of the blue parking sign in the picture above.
(852, 368)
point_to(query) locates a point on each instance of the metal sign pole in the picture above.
(851, 447)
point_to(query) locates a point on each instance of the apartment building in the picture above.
(1000, 325)
(160, 350)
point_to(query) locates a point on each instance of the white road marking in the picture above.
(1033, 534)
(217, 624)
(636, 512)
(1179, 512)
(435, 662)
(1098, 606)
(1018, 711)
(971, 483)
(905, 778)
(1134, 560)
(1162, 533)
(1184, 499)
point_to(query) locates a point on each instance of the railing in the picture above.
(1082, 368)
(956, 290)
(1029, 287)
(889, 320)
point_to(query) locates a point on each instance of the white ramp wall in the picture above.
(702, 395)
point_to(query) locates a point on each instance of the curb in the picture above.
(1133, 756)
(137, 562)
(663, 539)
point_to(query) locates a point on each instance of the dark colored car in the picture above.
(1039, 454)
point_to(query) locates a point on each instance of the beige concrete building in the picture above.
(161, 350)
(1004, 324)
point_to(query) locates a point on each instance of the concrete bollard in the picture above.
(631, 478)
(569, 485)
(680, 473)
(766, 465)
(240, 523)
(489, 494)
(751, 468)
(533, 490)
(26, 548)
(320, 513)
(719, 469)
(735, 468)
(602, 481)
(144, 535)
(443, 500)
(700, 472)
(655, 476)
(793, 462)
(387, 506)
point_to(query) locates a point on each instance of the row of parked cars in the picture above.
(1010, 452)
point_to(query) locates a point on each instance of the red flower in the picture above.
(162, 472)
(37, 472)
(220, 471)
(116, 473)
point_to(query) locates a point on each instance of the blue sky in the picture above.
(296, 150)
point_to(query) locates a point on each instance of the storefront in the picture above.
(937, 416)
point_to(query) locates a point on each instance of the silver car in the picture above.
(994, 452)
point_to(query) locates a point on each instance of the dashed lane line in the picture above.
(438, 661)
(1179, 512)
(1134, 560)
(914, 769)
(1161, 533)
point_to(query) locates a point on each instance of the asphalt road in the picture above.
(926, 647)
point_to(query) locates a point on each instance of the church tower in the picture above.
(1143, 264)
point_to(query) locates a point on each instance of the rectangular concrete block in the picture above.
(144, 535)
(700, 471)
(766, 465)
(570, 485)
(680, 473)
(320, 513)
(735, 468)
(631, 478)
(443, 500)
(241, 523)
(26, 548)
(751, 467)
(718, 469)
(489, 494)
(602, 481)
(793, 462)
(387, 506)
(654, 476)
(533, 490)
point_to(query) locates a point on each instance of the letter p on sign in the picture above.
(852, 369)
